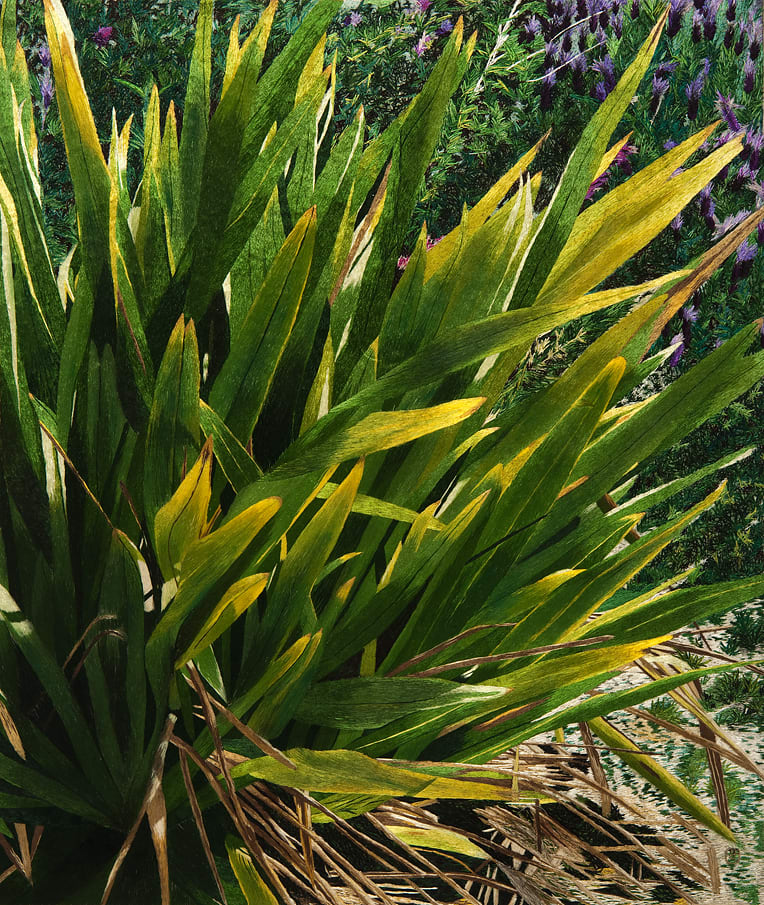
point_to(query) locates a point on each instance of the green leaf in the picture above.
(255, 890)
(658, 776)
(240, 388)
(372, 702)
(234, 602)
(183, 519)
(173, 429)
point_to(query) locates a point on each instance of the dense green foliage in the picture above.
(249, 468)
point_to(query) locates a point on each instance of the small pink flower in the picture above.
(423, 44)
(102, 37)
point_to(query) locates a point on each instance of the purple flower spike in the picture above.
(678, 351)
(547, 89)
(529, 31)
(676, 14)
(690, 314)
(43, 55)
(635, 9)
(660, 87)
(46, 93)
(749, 75)
(424, 5)
(677, 223)
(423, 44)
(729, 37)
(354, 20)
(697, 27)
(740, 43)
(102, 37)
(668, 145)
(731, 10)
(743, 261)
(730, 223)
(754, 144)
(445, 27)
(606, 69)
(726, 106)
(599, 183)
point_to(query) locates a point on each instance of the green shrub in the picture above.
(240, 462)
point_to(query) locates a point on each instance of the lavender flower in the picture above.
(690, 314)
(423, 44)
(677, 223)
(697, 26)
(578, 67)
(599, 91)
(445, 27)
(678, 352)
(709, 27)
(695, 89)
(668, 145)
(547, 85)
(617, 23)
(749, 75)
(424, 5)
(606, 69)
(676, 14)
(660, 87)
(46, 93)
(754, 143)
(730, 223)
(354, 20)
(529, 31)
(743, 262)
(622, 158)
(726, 107)
(102, 37)
(731, 10)
(740, 43)
(43, 55)
(635, 9)
(729, 37)
(599, 183)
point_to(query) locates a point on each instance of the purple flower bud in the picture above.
(743, 265)
(669, 144)
(424, 5)
(43, 55)
(445, 27)
(690, 314)
(754, 48)
(102, 37)
(46, 93)
(606, 69)
(730, 223)
(678, 351)
(660, 87)
(754, 144)
(740, 43)
(697, 27)
(599, 183)
(635, 10)
(677, 223)
(709, 28)
(706, 201)
(698, 4)
(676, 14)
(731, 13)
(530, 30)
(355, 19)
(423, 44)
(729, 37)
(749, 75)
(600, 92)
(760, 233)
(726, 107)
(547, 88)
